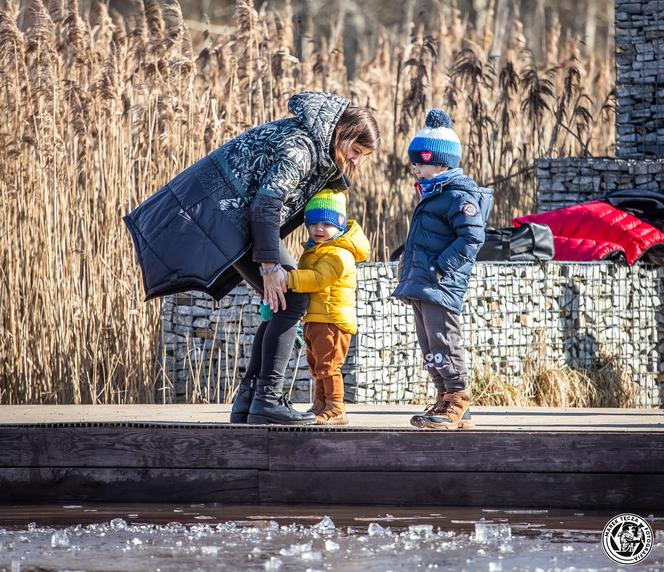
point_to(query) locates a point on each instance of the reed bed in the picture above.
(100, 109)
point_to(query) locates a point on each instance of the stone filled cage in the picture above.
(518, 318)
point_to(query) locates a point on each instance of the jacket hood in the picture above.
(319, 113)
(354, 240)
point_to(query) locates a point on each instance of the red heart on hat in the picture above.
(426, 156)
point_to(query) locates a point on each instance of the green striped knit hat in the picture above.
(326, 206)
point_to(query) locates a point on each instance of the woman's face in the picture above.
(355, 153)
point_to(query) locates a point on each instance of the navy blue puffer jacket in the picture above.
(243, 196)
(446, 232)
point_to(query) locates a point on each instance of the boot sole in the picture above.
(263, 420)
(424, 424)
(343, 421)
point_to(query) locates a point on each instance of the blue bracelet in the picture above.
(272, 270)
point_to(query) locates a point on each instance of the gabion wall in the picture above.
(640, 80)
(569, 311)
(570, 181)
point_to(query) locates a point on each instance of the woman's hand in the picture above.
(275, 286)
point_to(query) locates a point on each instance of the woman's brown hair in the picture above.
(357, 125)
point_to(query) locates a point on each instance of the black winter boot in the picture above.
(243, 400)
(271, 407)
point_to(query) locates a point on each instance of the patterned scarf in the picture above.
(427, 187)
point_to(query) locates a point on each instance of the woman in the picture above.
(222, 220)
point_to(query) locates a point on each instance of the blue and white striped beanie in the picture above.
(437, 143)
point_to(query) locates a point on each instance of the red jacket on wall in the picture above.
(596, 230)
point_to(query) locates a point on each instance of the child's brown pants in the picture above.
(327, 348)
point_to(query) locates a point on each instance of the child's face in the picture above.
(423, 171)
(322, 231)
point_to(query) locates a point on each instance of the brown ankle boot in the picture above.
(333, 414)
(319, 398)
(453, 413)
(439, 403)
(317, 407)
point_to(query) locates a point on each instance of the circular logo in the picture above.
(469, 209)
(627, 539)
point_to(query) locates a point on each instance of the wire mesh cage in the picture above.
(566, 334)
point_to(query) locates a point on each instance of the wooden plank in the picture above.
(394, 417)
(467, 451)
(128, 485)
(559, 490)
(133, 447)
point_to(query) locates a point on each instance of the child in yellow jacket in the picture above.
(327, 272)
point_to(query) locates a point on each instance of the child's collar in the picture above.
(311, 243)
(427, 187)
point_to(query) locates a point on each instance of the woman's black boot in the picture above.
(243, 399)
(271, 407)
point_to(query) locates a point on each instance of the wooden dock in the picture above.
(528, 457)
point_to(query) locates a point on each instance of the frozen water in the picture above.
(267, 545)
(376, 529)
(311, 556)
(273, 563)
(488, 532)
(59, 539)
(331, 546)
(118, 524)
(421, 529)
(296, 549)
(325, 525)
(210, 550)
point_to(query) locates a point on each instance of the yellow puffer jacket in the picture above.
(327, 272)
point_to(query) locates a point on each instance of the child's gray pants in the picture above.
(439, 335)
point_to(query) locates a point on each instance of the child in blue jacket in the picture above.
(446, 232)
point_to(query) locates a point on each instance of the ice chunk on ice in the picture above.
(16, 566)
(273, 563)
(421, 529)
(488, 532)
(326, 524)
(210, 551)
(376, 529)
(331, 546)
(311, 556)
(118, 524)
(296, 549)
(60, 539)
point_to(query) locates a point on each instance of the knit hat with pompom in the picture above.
(437, 143)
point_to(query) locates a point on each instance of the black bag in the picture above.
(529, 242)
(648, 205)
